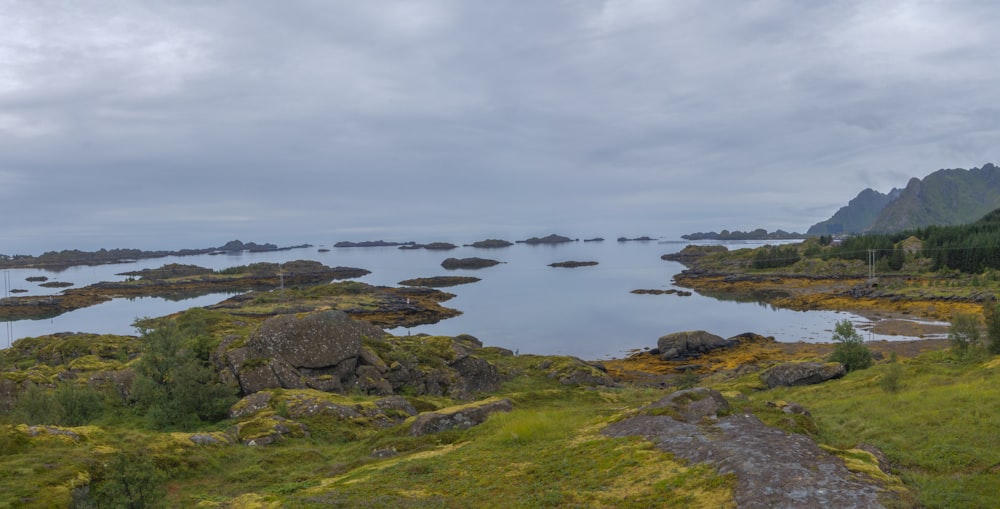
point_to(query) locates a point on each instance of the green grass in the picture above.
(939, 429)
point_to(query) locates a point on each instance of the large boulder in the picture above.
(802, 373)
(690, 344)
(314, 341)
(462, 417)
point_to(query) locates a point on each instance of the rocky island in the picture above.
(548, 239)
(440, 281)
(491, 244)
(572, 264)
(468, 263)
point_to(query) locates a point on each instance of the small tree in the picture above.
(850, 349)
(173, 387)
(964, 335)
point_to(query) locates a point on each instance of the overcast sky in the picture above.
(171, 124)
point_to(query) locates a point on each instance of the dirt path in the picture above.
(774, 469)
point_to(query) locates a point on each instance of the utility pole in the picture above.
(871, 265)
(6, 294)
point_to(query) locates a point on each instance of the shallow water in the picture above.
(521, 304)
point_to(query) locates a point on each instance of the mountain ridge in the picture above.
(944, 197)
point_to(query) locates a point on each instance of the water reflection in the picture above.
(521, 304)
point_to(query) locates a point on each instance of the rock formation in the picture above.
(329, 351)
(802, 373)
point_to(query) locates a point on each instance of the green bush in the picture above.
(36, 405)
(173, 387)
(80, 405)
(890, 381)
(850, 349)
(128, 480)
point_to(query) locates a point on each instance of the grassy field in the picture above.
(935, 416)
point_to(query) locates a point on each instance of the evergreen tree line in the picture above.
(969, 248)
(773, 257)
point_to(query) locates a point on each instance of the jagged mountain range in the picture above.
(945, 197)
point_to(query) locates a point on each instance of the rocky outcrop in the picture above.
(373, 243)
(690, 405)
(268, 429)
(692, 252)
(468, 263)
(330, 352)
(772, 468)
(690, 344)
(433, 246)
(679, 293)
(575, 371)
(440, 281)
(802, 373)
(462, 417)
(548, 239)
(572, 264)
(491, 244)
(320, 351)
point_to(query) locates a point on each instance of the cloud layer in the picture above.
(177, 124)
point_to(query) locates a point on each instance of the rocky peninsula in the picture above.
(60, 260)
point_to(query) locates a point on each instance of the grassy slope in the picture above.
(546, 453)
(939, 430)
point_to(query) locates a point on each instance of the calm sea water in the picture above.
(521, 304)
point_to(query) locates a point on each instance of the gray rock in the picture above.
(461, 418)
(802, 373)
(396, 404)
(371, 381)
(305, 406)
(314, 341)
(203, 439)
(686, 345)
(369, 357)
(691, 405)
(477, 376)
(250, 405)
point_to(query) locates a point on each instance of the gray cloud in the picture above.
(164, 125)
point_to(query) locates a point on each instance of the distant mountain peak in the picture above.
(945, 197)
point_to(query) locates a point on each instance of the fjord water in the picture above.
(521, 304)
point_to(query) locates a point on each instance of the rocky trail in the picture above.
(774, 469)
